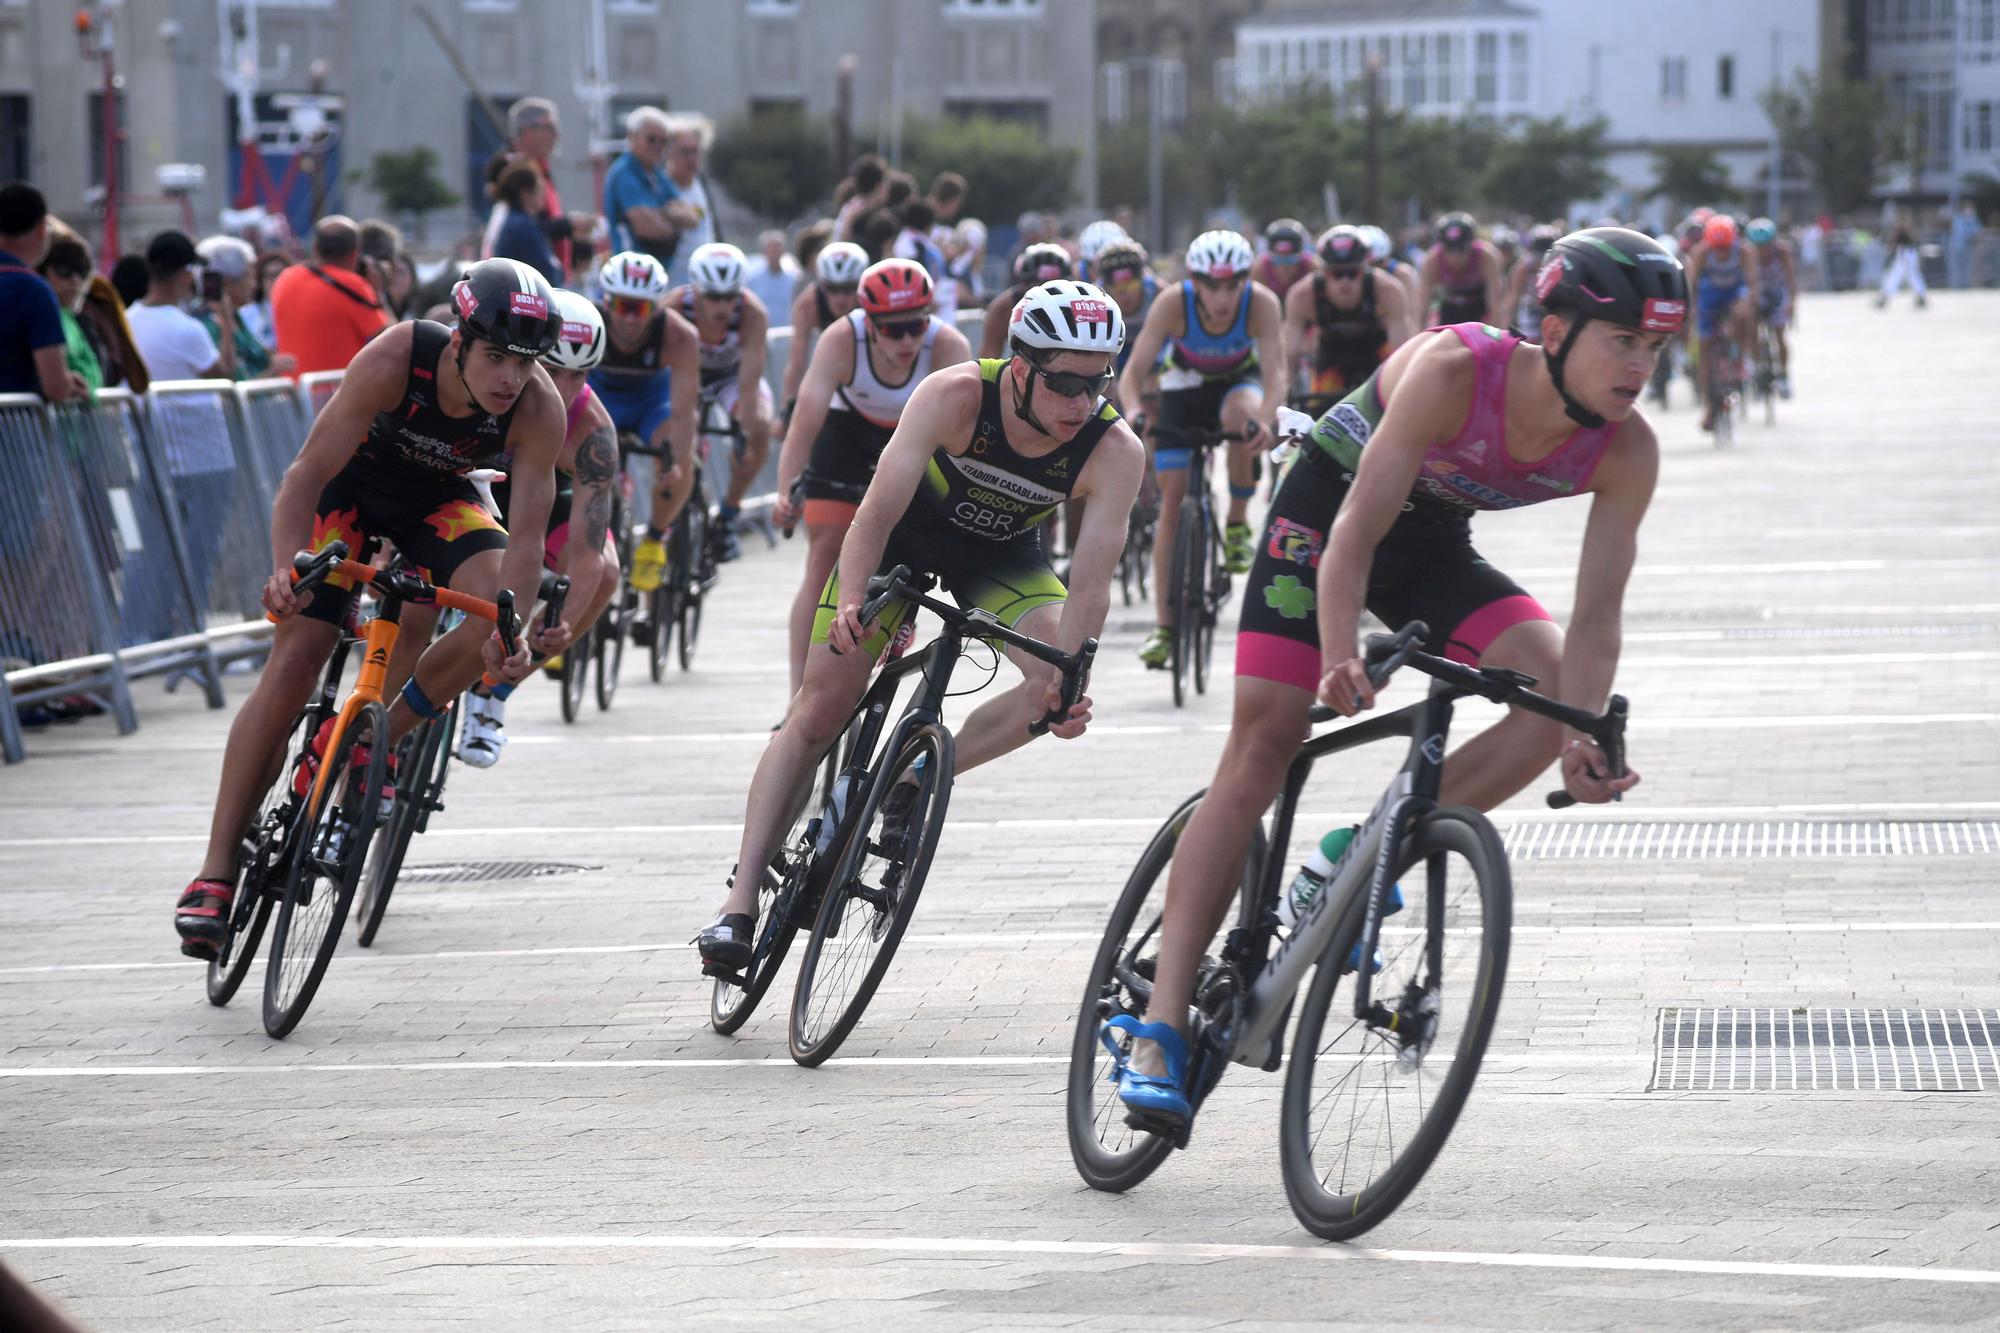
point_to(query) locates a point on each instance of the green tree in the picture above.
(1840, 129)
(778, 163)
(409, 182)
(1689, 176)
(1278, 156)
(1432, 162)
(1121, 168)
(1009, 166)
(1541, 166)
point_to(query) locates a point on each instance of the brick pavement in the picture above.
(410, 1105)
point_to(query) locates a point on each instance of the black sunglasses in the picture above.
(1067, 384)
(1343, 274)
(1218, 284)
(901, 328)
(839, 288)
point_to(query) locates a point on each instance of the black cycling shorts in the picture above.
(437, 526)
(1425, 569)
(844, 454)
(1196, 409)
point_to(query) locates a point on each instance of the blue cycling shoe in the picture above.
(1390, 908)
(1148, 1095)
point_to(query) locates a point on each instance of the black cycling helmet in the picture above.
(1614, 274)
(1541, 238)
(1287, 237)
(1457, 231)
(1044, 261)
(1343, 246)
(508, 304)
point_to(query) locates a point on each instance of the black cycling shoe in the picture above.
(897, 807)
(727, 943)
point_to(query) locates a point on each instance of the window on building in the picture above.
(1442, 55)
(1486, 68)
(491, 6)
(1983, 140)
(1000, 9)
(1224, 76)
(1517, 68)
(1263, 60)
(1031, 112)
(1173, 92)
(93, 107)
(1725, 77)
(1414, 91)
(772, 8)
(1325, 57)
(1673, 78)
(633, 6)
(14, 157)
(1114, 87)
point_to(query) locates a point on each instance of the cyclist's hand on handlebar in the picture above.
(280, 600)
(1079, 714)
(1585, 770)
(785, 513)
(670, 476)
(1346, 689)
(549, 642)
(502, 667)
(844, 635)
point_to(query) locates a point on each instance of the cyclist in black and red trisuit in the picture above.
(418, 408)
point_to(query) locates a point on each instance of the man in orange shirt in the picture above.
(325, 310)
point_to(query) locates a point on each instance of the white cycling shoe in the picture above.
(485, 734)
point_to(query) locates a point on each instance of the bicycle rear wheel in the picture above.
(780, 908)
(260, 862)
(663, 612)
(870, 894)
(331, 850)
(421, 760)
(1185, 594)
(699, 574)
(1366, 1111)
(1214, 592)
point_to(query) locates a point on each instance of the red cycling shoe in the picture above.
(202, 917)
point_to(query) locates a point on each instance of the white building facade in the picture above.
(1692, 76)
(1939, 63)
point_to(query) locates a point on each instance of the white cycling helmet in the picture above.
(841, 264)
(716, 269)
(633, 274)
(1096, 236)
(1378, 242)
(1066, 316)
(580, 344)
(1219, 254)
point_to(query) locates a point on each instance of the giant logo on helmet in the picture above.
(1090, 312)
(1663, 316)
(529, 304)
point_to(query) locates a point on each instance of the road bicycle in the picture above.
(1198, 578)
(854, 861)
(1372, 1090)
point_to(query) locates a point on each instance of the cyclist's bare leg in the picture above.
(250, 759)
(669, 496)
(756, 447)
(1508, 755)
(603, 575)
(1778, 334)
(1238, 409)
(822, 554)
(449, 667)
(834, 684)
(1264, 735)
(1001, 723)
(413, 634)
(1173, 489)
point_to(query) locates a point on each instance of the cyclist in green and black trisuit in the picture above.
(983, 452)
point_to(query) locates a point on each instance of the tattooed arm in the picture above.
(594, 472)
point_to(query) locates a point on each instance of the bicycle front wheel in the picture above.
(576, 675)
(695, 576)
(421, 759)
(1367, 1110)
(1185, 593)
(1208, 607)
(326, 865)
(870, 894)
(260, 869)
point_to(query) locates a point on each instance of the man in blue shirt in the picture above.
(641, 205)
(31, 331)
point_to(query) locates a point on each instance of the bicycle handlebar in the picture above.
(554, 592)
(1203, 438)
(1383, 653)
(1074, 667)
(310, 569)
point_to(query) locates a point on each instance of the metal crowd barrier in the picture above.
(316, 388)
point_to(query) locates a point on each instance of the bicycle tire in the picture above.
(387, 849)
(662, 611)
(611, 634)
(1443, 920)
(1189, 538)
(299, 953)
(250, 912)
(1215, 589)
(575, 680)
(729, 1007)
(699, 535)
(812, 1036)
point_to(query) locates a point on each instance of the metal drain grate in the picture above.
(1690, 840)
(1805, 1050)
(1748, 633)
(478, 872)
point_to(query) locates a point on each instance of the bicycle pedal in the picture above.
(724, 973)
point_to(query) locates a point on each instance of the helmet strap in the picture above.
(465, 346)
(1578, 413)
(1023, 402)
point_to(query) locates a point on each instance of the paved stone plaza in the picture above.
(511, 1113)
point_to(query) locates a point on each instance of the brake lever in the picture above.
(1075, 681)
(1610, 737)
(552, 608)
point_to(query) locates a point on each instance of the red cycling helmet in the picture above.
(1720, 232)
(895, 287)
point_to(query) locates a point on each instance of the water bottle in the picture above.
(835, 811)
(1313, 875)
